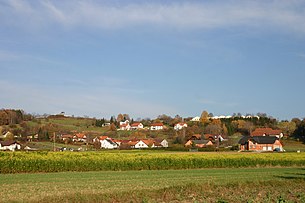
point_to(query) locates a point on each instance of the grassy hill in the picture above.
(63, 125)
(69, 124)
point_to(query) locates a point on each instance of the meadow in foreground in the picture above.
(201, 185)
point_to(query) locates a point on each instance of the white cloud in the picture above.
(287, 15)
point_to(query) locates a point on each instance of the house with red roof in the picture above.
(198, 143)
(106, 142)
(79, 137)
(136, 126)
(141, 144)
(267, 132)
(196, 137)
(156, 126)
(260, 143)
(180, 126)
(145, 143)
(125, 126)
(97, 139)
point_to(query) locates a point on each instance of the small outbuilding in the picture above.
(10, 145)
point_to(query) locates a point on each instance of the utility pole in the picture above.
(54, 142)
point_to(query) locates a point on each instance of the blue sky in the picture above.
(146, 58)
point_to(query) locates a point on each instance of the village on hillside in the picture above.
(206, 132)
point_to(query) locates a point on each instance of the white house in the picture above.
(106, 142)
(164, 143)
(124, 122)
(79, 137)
(136, 126)
(196, 119)
(157, 126)
(106, 124)
(140, 145)
(180, 125)
(10, 145)
(97, 139)
(125, 126)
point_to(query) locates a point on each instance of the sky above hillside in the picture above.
(146, 58)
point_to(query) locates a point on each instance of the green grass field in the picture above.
(70, 124)
(49, 146)
(204, 185)
(293, 146)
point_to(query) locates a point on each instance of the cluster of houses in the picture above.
(207, 140)
(109, 143)
(125, 125)
(197, 118)
(261, 139)
(106, 142)
(78, 137)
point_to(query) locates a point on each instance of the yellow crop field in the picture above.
(32, 162)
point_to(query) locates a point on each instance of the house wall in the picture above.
(140, 145)
(78, 139)
(140, 126)
(164, 143)
(156, 127)
(179, 127)
(242, 147)
(262, 147)
(12, 147)
(188, 143)
(278, 144)
(106, 145)
(200, 145)
(209, 143)
(127, 127)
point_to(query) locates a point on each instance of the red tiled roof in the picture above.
(80, 135)
(198, 136)
(148, 142)
(157, 124)
(135, 124)
(208, 136)
(103, 137)
(266, 131)
(124, 125)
